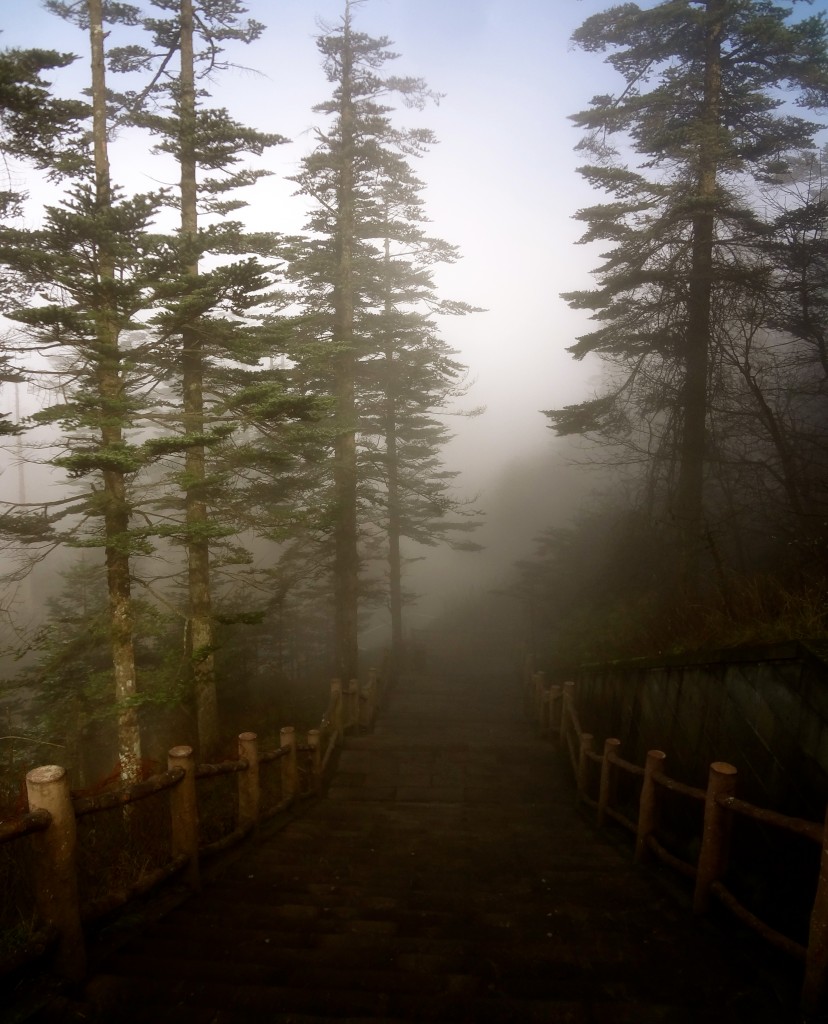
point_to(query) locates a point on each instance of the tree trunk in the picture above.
(111, 394)
(689, 510)
(394, 530)
(393, 484)
(788, 475)
(346, 553)
(200, 639)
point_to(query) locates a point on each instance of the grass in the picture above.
(739, 610)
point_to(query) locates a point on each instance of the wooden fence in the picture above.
(554, 710)
(54, 848)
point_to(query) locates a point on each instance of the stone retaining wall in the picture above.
(764, 709)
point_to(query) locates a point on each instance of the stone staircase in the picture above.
(447, 876)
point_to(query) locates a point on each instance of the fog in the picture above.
(501, 185)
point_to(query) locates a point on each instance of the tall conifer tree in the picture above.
(42, 130)
(412, 380)
(351, 282)
(204, 311)
(700, 106)
(94, 260)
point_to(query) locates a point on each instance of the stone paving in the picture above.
(447, 876)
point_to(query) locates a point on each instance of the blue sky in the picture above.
(501, 183)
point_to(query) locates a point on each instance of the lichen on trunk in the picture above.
(110, 384)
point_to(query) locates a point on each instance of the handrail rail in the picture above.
(691, 792)
(627, 766)
(55, 811)
(25, 825)
(799, 826)
(103, 905)
(211, 771)
(555, 712)
(83, 805)
(769, 934)
(273, 755)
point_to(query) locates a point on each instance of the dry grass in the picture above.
(737, 610)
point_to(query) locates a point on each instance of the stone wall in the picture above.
(763, 709)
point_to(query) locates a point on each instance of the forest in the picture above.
(710, 313)
(244, 432)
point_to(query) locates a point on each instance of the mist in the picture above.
(502, 185)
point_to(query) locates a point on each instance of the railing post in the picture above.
(584, 749)
(555, 708)
(184, 812)
(816, 960)
(290, 770)
(383, 679)
(537, 699)
(713, 855)
(371, 702)
(346, 706)
(606, 785)
(647, 803)
(249, 788)
(566, 704)
(528, 672)
(337, 698)
(56, 878)
(314, 742)
(353, 704)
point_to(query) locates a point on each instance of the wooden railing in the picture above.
(555, 712)
(61, 828)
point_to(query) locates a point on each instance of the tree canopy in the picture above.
(704, 123)
(217, 389)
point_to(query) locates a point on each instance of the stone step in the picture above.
(159, 1000)
(448, 878)
(278, 971)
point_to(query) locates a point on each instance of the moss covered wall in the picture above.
(763, 709)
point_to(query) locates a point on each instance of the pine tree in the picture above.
(95, 257)
(234, 461)
(111, 389)
(772, 372)
(207, 313)
(410, 382)
(70, 681)
(41, 130)
(700, 106)
(35, 126)
(344, 333)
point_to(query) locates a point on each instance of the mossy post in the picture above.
(555, 708)
(606, 787)
(56, 877)
(528, 674)
(337, 707)
(816, 960)
(538, 699)
(647, 804)
(290, 769)
(184, 812)
(566, 708)
(353, 702)
(714, 851)
(372, 701)
(584, 750)
(314, 742)
(249, 788)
